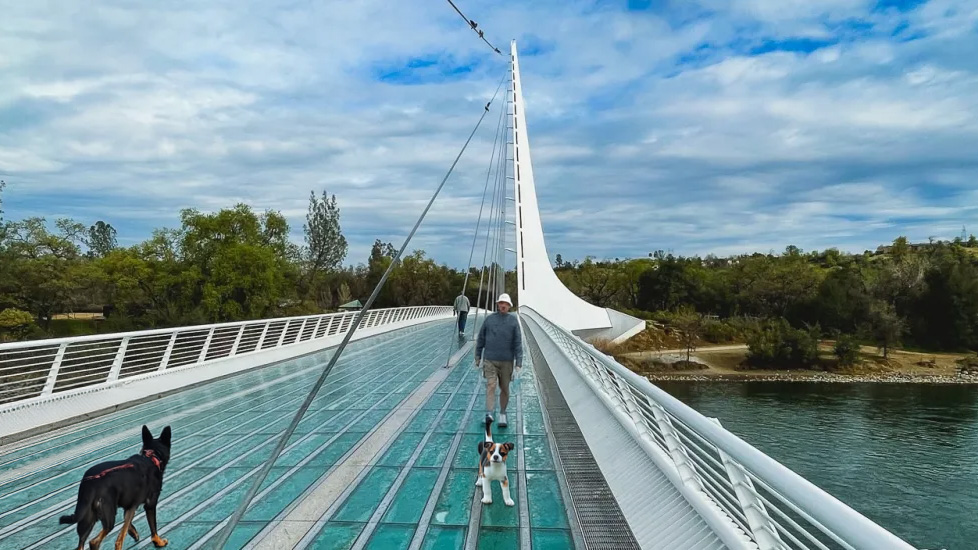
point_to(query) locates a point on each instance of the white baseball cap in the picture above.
(505, 298)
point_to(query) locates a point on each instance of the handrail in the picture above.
(39, 369)
(773, 505)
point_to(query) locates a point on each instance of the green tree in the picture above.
(886, 327)
(102, 239)
(325, 244)
(41, 266)
(3, 185)
(843, 299)
(900, 248)
(847, 350)
(689, 324)
(241, 262)
(598, 284)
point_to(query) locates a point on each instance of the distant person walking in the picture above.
(498, 348)
(462, 310)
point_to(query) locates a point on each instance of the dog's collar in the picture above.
(148, 453)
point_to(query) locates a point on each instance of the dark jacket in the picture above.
(500, 339)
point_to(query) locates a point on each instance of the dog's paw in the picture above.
(478, 482)
(510, 502)
(160, 543)
(486, 500)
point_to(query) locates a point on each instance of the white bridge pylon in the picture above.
(538, 286)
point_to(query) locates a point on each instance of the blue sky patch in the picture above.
(899, 5)
(425, 70)
(799, 45)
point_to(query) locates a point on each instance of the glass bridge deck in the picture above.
(224, 431)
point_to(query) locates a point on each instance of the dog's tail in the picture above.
(69, 520)
(83, 505)
(488, 429)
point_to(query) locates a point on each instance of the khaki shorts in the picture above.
(503, 370)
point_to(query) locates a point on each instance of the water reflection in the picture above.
(905, 455)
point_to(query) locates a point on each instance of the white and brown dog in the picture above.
(492, 466)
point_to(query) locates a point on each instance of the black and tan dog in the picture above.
(492, 466)
(125, 484)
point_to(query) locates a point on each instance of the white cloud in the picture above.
(135, 111)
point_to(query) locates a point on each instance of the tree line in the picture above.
(920, 295)
(238, 264)
(230, 265)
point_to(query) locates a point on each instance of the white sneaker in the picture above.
(502, 420)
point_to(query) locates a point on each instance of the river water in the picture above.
(904, 455)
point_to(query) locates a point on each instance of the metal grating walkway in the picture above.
(601, 521)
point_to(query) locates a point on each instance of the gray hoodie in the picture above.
(462, 303)
(500, 339)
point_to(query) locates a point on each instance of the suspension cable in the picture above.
(475, 27)
(485, 253)
(484, 272)
(500, 133)
(492, 236)
(224, 535)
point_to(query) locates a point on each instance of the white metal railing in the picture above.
(40, 368)
(772, 505)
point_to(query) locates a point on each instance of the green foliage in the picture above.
(777, 344)
(102, 239)
(238, 264)
(886, 327)
(14, 324)
(847, 350)
(719, 332)
(324, 251)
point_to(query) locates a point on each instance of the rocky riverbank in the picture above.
(825, 377)
(727, 363)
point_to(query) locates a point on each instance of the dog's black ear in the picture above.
(165, 436)
(509, 446)
(482, 445)
(147, 437)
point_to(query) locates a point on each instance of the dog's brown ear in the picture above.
(166, 436)
(482, 445)
(147, 437)
(509, 446)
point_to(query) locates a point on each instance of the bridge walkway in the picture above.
(415, 489)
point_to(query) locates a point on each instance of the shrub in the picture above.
(719, 332)
(778, 344)
(15, 324)
(847, 350)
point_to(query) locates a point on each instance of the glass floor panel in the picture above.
(420, 487)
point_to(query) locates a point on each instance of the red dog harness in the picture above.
(148, 453)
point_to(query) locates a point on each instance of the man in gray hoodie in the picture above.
(498, 348)
(462, 311)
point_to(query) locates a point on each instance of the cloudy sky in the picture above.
(697, 126)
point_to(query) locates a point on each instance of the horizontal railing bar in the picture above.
(84, 373)
(46, 365)
(25, 356)
(22, 383)
(91, 361)
(119, 335)
(69, 356)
